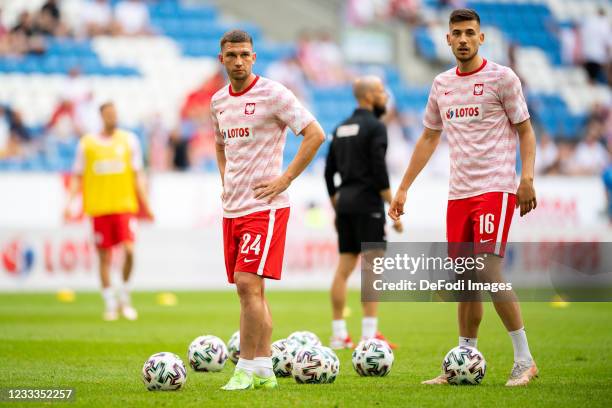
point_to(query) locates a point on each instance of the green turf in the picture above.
(45, 343)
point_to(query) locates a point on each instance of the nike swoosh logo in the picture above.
(447, 92)
(482, 241)
(249, 260)
(221, 113)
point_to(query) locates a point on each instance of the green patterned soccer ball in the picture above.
(207, 353)
(233, 347)
(315, 365)
(305, 338)
(464, 365)
(372, 357)
(164, 371)
(283, 353)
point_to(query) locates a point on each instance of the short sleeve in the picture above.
(136, 152)
(213, 116)
(432, 118)
(290, 111)
(79, 160)
(512, 98)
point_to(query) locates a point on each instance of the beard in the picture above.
(465, 58)
(379, 111)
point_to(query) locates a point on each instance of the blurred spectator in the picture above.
(406, 10)
(14, 136)
(547, 156)
(361, 12)
(288, 72)
(5, 43)
(607, 179)
(596, 43)
(197, 104)
(193, 143)
(132, 16)
(49, 21)
(71, 117)
(160, 155)
(322, 60)
(97, 18)
(570, 46)
(590, 157)
(26, 37)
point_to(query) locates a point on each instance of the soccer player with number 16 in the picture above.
(481, 108)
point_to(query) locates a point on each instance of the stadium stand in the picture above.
(149, 76)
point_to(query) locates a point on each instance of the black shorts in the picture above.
(353, 229)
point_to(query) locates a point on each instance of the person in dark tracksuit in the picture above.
(357, 153)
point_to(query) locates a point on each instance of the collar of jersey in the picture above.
(459, 73)
(247, 89)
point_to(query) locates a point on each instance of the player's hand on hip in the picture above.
(267, 190)
(396, 210)
(526, 197)
(398, 226)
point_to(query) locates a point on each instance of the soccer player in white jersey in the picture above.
(251, 116)
(481, 108)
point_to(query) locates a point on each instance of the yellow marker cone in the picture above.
(66, 295)
(558, 302)
(167, 299)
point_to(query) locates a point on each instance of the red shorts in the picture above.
(255, 243)
(483, 220)
(113, 229)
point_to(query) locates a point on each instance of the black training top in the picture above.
(357, 153)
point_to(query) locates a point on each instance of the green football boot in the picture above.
(241, 380)
(267, 383)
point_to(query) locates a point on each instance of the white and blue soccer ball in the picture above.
(464, 365)
(305, 338)
(207, 353)
(233, 347)
(373, 357)
(164, 371)
(315, 365)
(283, 353)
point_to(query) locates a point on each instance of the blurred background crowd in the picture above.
(156, 59)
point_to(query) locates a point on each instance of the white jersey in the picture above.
(477, 111)
(252, 126)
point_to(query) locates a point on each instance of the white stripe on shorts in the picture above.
(264, 256)
(500, 227)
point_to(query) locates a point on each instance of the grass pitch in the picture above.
(45, 343)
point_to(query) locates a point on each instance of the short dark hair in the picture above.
(463, 15)
(236, 36)
(105, 105)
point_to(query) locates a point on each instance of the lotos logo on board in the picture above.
(464, 113)
(237, 134)
(17, 257)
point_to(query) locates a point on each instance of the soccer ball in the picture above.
(373, 357)
(315, 365)
(233, 347)
(305, 338)
(464, 365)
(283, 353)
(164, 371)
(207, 353)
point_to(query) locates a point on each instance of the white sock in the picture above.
(519, 343)
(124, 294)
(110, 302)
(369, 326)
(246, 365)
(468, 341)
(339, 329)
(263, 367)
